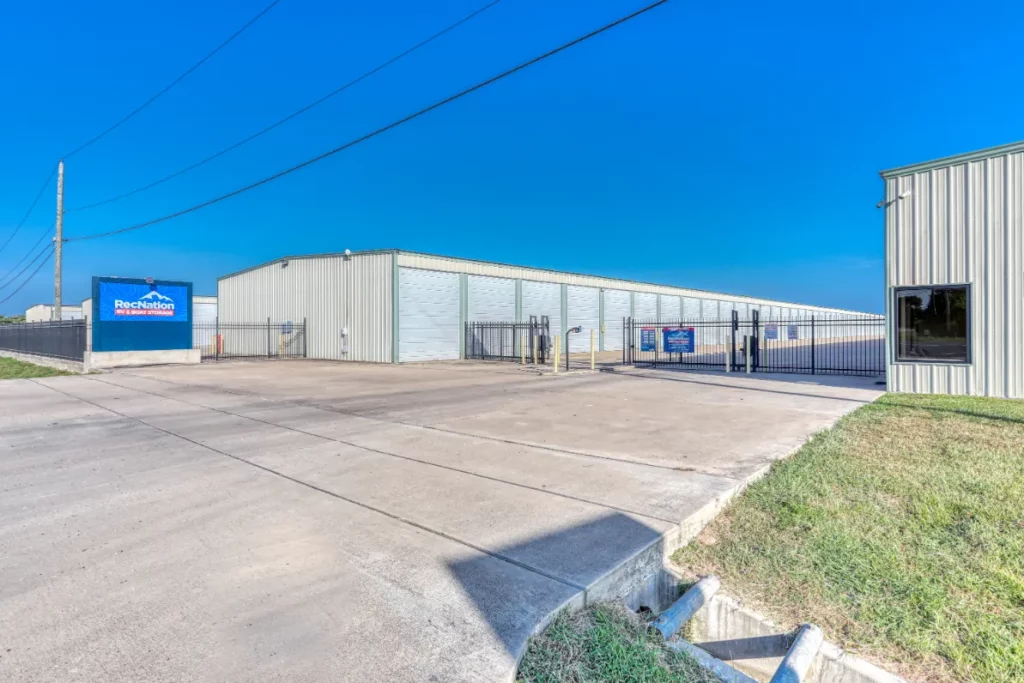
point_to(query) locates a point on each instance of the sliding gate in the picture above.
(836, 345)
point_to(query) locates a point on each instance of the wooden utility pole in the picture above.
(58, 242)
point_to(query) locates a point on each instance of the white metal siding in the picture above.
(333, 293)
(583, 309)
(691, 308)
(491, 298)
(543, 298)
(670, 307)
(428, 315)
(616, 308)
(645, 306)
(963, 223)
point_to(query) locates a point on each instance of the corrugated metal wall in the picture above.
(333, 293)
(962, 223)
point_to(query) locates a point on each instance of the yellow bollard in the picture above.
(592, 349)
(522, 350)
(557, 339)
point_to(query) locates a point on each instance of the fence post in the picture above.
(268, 338)
(216, 335)
(305, 337)
(813, 369)
(591, 348)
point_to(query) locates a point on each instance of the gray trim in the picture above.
(395, 320)
(632, 304)
(657, 308)
(565, 313)
(955, 160)
(519, 300)
(463, 311)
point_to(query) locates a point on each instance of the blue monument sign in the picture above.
(140, 315)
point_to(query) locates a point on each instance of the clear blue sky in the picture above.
(727, 146)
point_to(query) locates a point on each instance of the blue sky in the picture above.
(726, 146)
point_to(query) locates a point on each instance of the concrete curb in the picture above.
(56, 363)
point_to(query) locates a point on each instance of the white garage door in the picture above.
(669, 307)
(583, 306)
(616, 308)
(491, 298)
(645, 307)
(428, 315)
(204, 318)
(543, 298)
(691, 308)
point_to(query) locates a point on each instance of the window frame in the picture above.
(896, 325)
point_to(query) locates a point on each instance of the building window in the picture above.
(933, 324)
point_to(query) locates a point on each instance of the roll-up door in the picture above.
(428, 315)
(583, 309)
(645, 307)
(491, 299)
(669, 308)
(543, 298)
(616, 308)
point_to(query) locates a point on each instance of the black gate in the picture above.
(823, 345)
(57, 339)
(527, 342)
(221, 341)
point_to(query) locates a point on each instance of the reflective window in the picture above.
(932, 324)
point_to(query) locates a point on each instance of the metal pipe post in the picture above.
(592, 361)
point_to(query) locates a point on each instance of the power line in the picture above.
(377, 132)
(29, 279)
(48, 247)
(291, 116)
(27, 254)
(30, 210)
(175, 82)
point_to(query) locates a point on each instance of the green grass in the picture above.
(900, 532)
(16, 369)
(605, 644)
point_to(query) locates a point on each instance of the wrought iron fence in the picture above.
(511, 341)
(56, 339)
(219, 340)
(835, 345)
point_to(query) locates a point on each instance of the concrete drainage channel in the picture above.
(740, 646)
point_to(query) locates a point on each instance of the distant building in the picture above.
(44, 313)
(954, 274)
(204, 314)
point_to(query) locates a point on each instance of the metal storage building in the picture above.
(399, 306)
(954, 267)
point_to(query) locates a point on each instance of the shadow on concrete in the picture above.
(611, 556)
(694, 377)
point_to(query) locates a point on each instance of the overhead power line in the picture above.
(30, 210)
(27, 254)
(48, 247)
(179, 79)
(291, 116)
(48, 253)
(377, 132)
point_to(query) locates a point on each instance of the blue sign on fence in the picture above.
(771, 332)
(648, 338)
(793, 333)
(677, 339)
(122, 301)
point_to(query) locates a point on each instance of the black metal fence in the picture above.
(820, 344)
(218, 340)
(57, 339)
(520, 342)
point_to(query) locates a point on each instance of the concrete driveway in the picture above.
(306, 521)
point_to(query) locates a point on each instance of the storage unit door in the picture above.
(645, 307)
(491, 299)
(543, 298)
(669, 308)
(583, 305)
(428, 315)
(616, 308)
(204, 319)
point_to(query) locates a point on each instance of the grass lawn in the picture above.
(605, 644)
(900, 532)
(16, 369)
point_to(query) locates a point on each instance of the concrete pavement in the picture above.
(308, 521)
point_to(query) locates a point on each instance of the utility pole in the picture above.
(58, 241)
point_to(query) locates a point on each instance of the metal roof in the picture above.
(987, 153)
